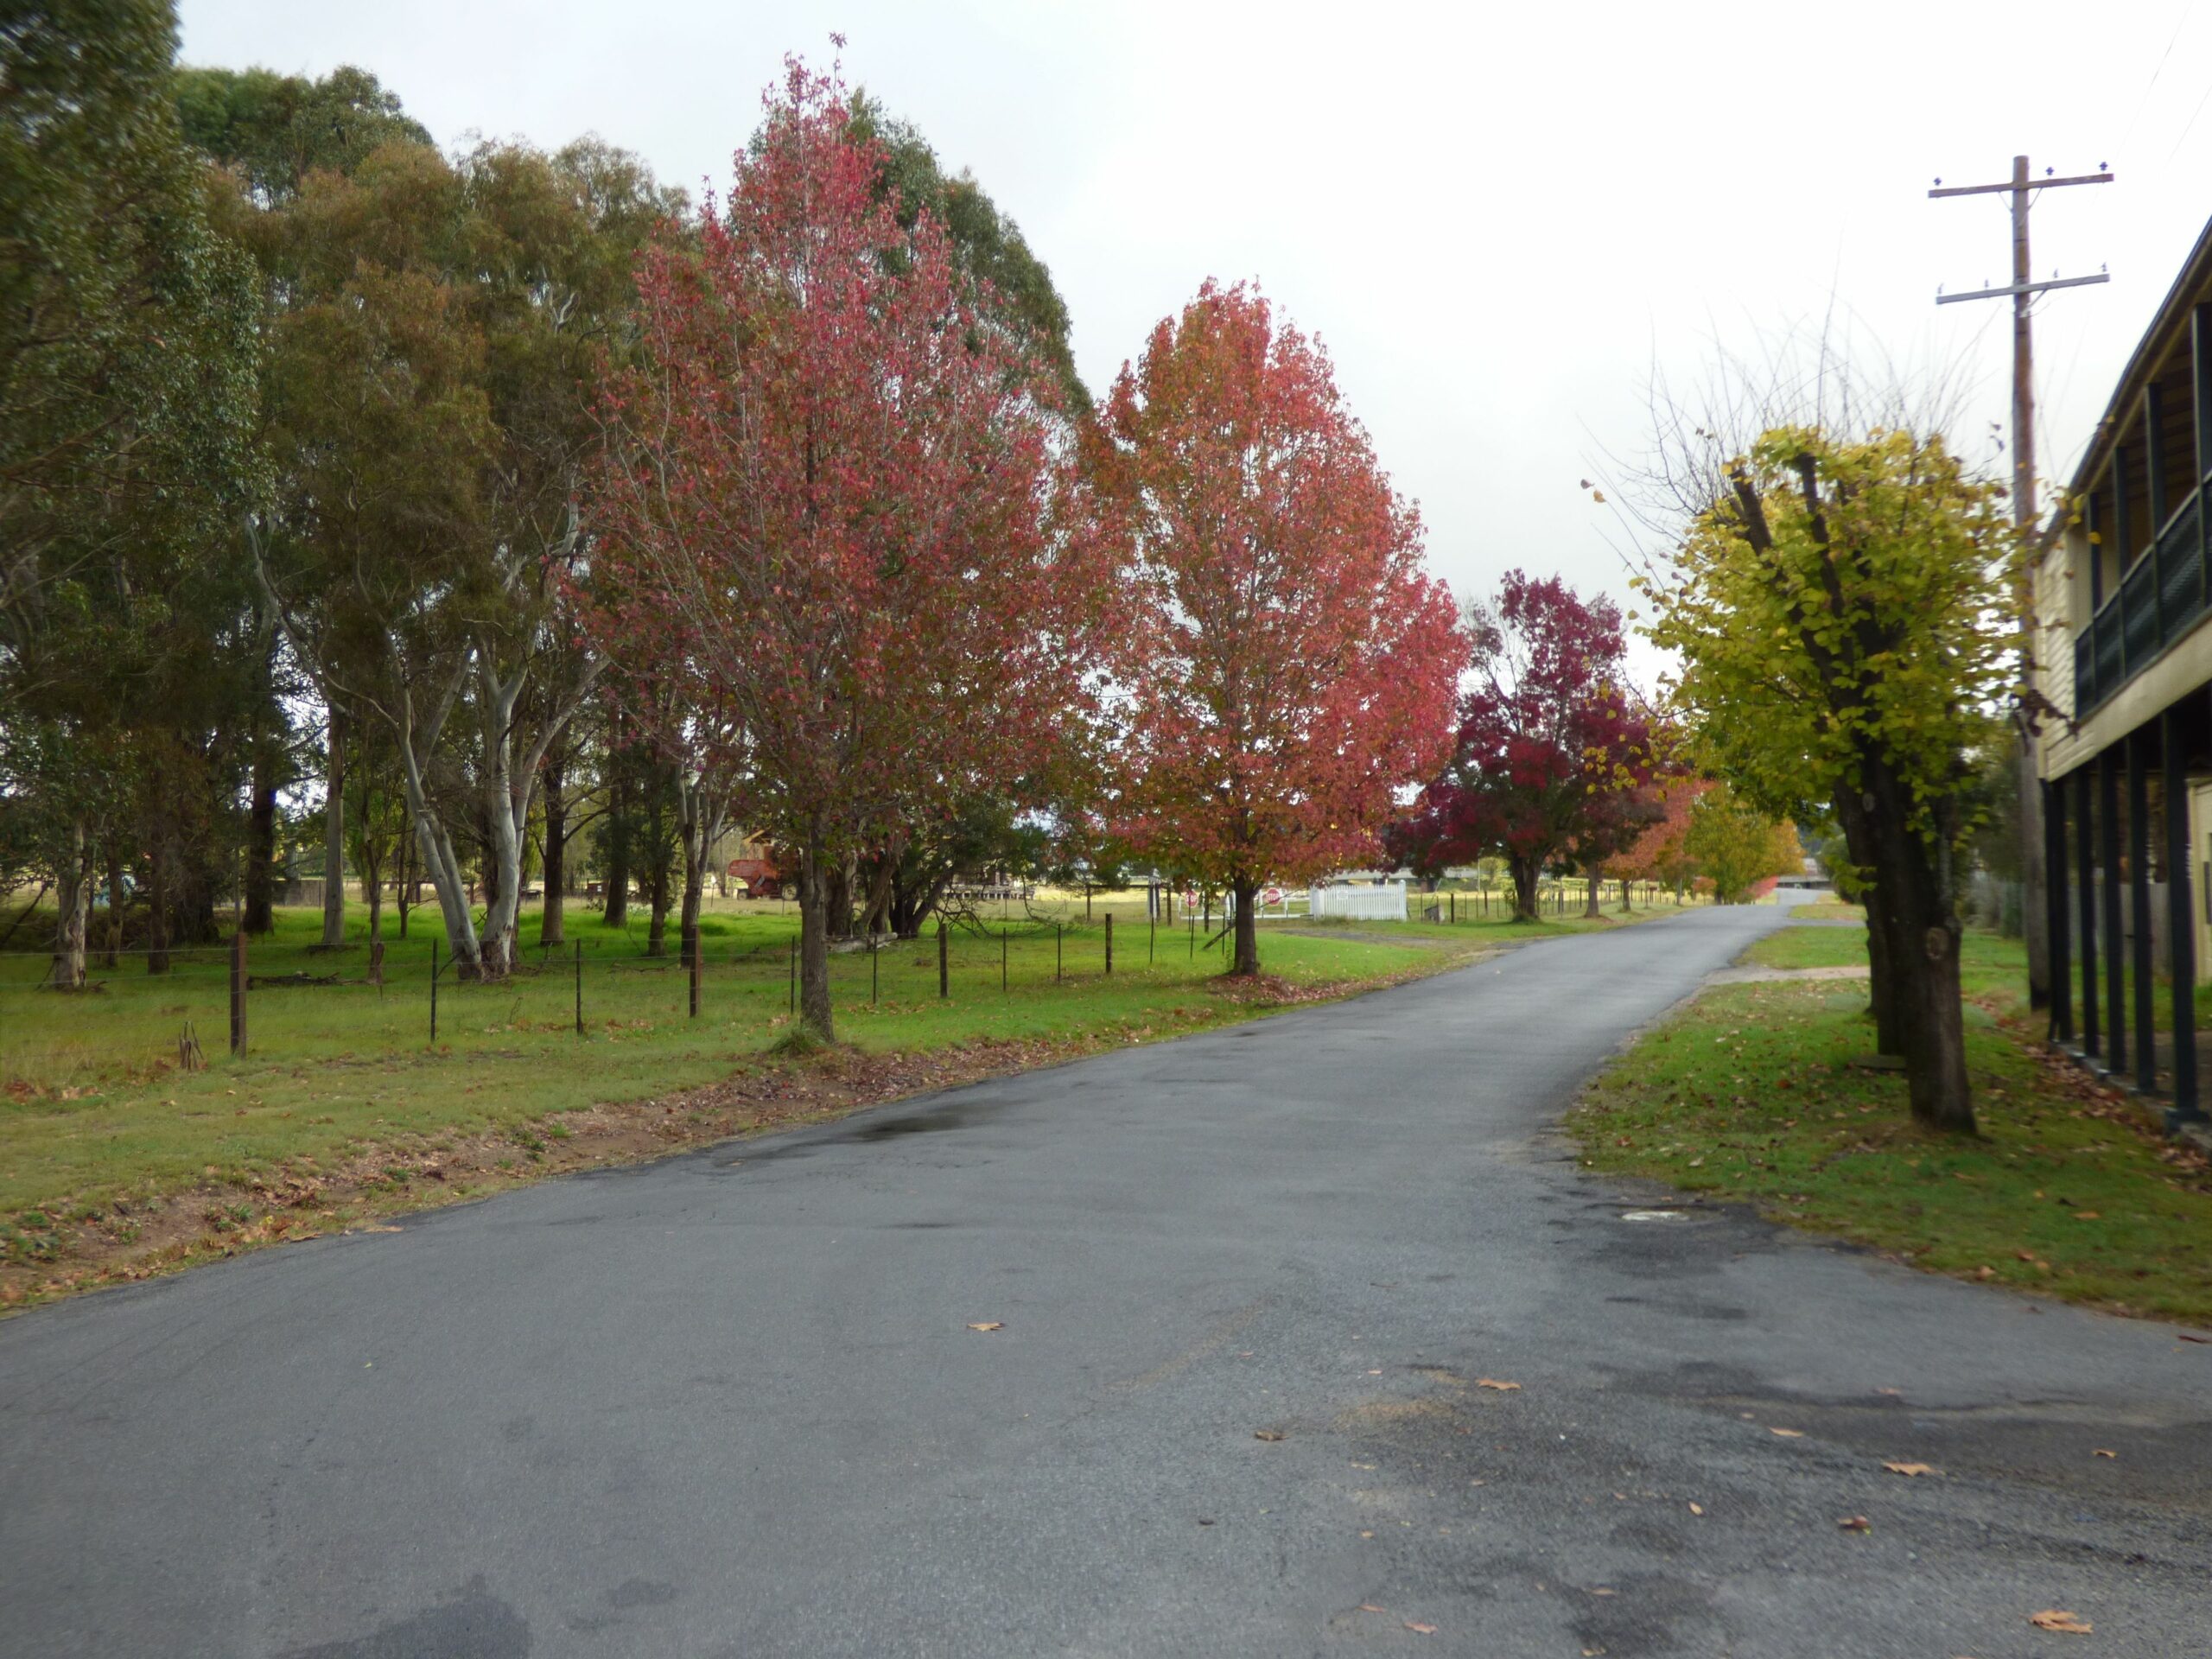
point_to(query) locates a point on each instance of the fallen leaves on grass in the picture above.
(1908, 1468)
(2057, 1619)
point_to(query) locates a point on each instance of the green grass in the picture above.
(93, 1107)
(1752, 1093)
(1993, 971)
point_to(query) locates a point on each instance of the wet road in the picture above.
(731, 1404)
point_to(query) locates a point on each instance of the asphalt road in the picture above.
(731, 1404)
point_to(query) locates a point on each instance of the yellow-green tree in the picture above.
(1837, 608)
(1735, 845)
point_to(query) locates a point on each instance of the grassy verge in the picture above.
(115, 1161)
(1754, 1093)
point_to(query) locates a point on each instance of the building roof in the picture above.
(2170, 320)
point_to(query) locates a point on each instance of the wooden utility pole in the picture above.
(2034, 898)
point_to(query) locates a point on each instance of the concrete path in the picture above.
(1247, 1288)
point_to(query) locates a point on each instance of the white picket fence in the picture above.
(1361, 903)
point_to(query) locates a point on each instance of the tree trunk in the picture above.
(1247, 926)
(551, 921)
(1628, 892)
(1524, 872)
(1881, 986)
(114, 902)
(1589, 899)
(333, 839)
(73, 892)
(1917, 906)
(261, 846)
(1851, 815)
(403, 885)
(814, 1011)
(372, 884)
(157, 890)
(657, 888)
(616, 912)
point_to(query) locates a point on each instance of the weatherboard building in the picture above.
(2124, 599)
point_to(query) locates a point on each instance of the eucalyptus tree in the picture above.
(128, 358)
(448, 328)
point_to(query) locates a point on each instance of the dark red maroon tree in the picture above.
(1293, 662)
(827, 517)
(1554, 747)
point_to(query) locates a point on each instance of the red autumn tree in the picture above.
(827, 511)
(1554, 750)
(1293, 662)
(1659, 853)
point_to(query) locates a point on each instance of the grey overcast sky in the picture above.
(1498, 218)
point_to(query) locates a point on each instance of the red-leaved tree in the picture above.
(1554, 749)
(1661, 853)
(1294, 662)
(828, 512)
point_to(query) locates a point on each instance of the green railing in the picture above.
(2159, 599)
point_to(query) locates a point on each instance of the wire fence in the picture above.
(283, 998)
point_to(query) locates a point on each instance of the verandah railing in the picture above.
(2159, 599)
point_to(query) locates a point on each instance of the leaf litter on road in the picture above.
(2057, 1619)
(1909, 1468)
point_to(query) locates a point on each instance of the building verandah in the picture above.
(2127, 863)
(2124, 667)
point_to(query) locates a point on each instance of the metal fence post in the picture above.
(1110, 941)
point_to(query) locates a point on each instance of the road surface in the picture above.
(732, 1404)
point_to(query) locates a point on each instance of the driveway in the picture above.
(1246, 1290)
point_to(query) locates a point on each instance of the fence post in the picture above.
(1110, 941)
(691, 956)
(1453, 900)
(434, 992)
(237, 992)
(580, 987)
(943, 963)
